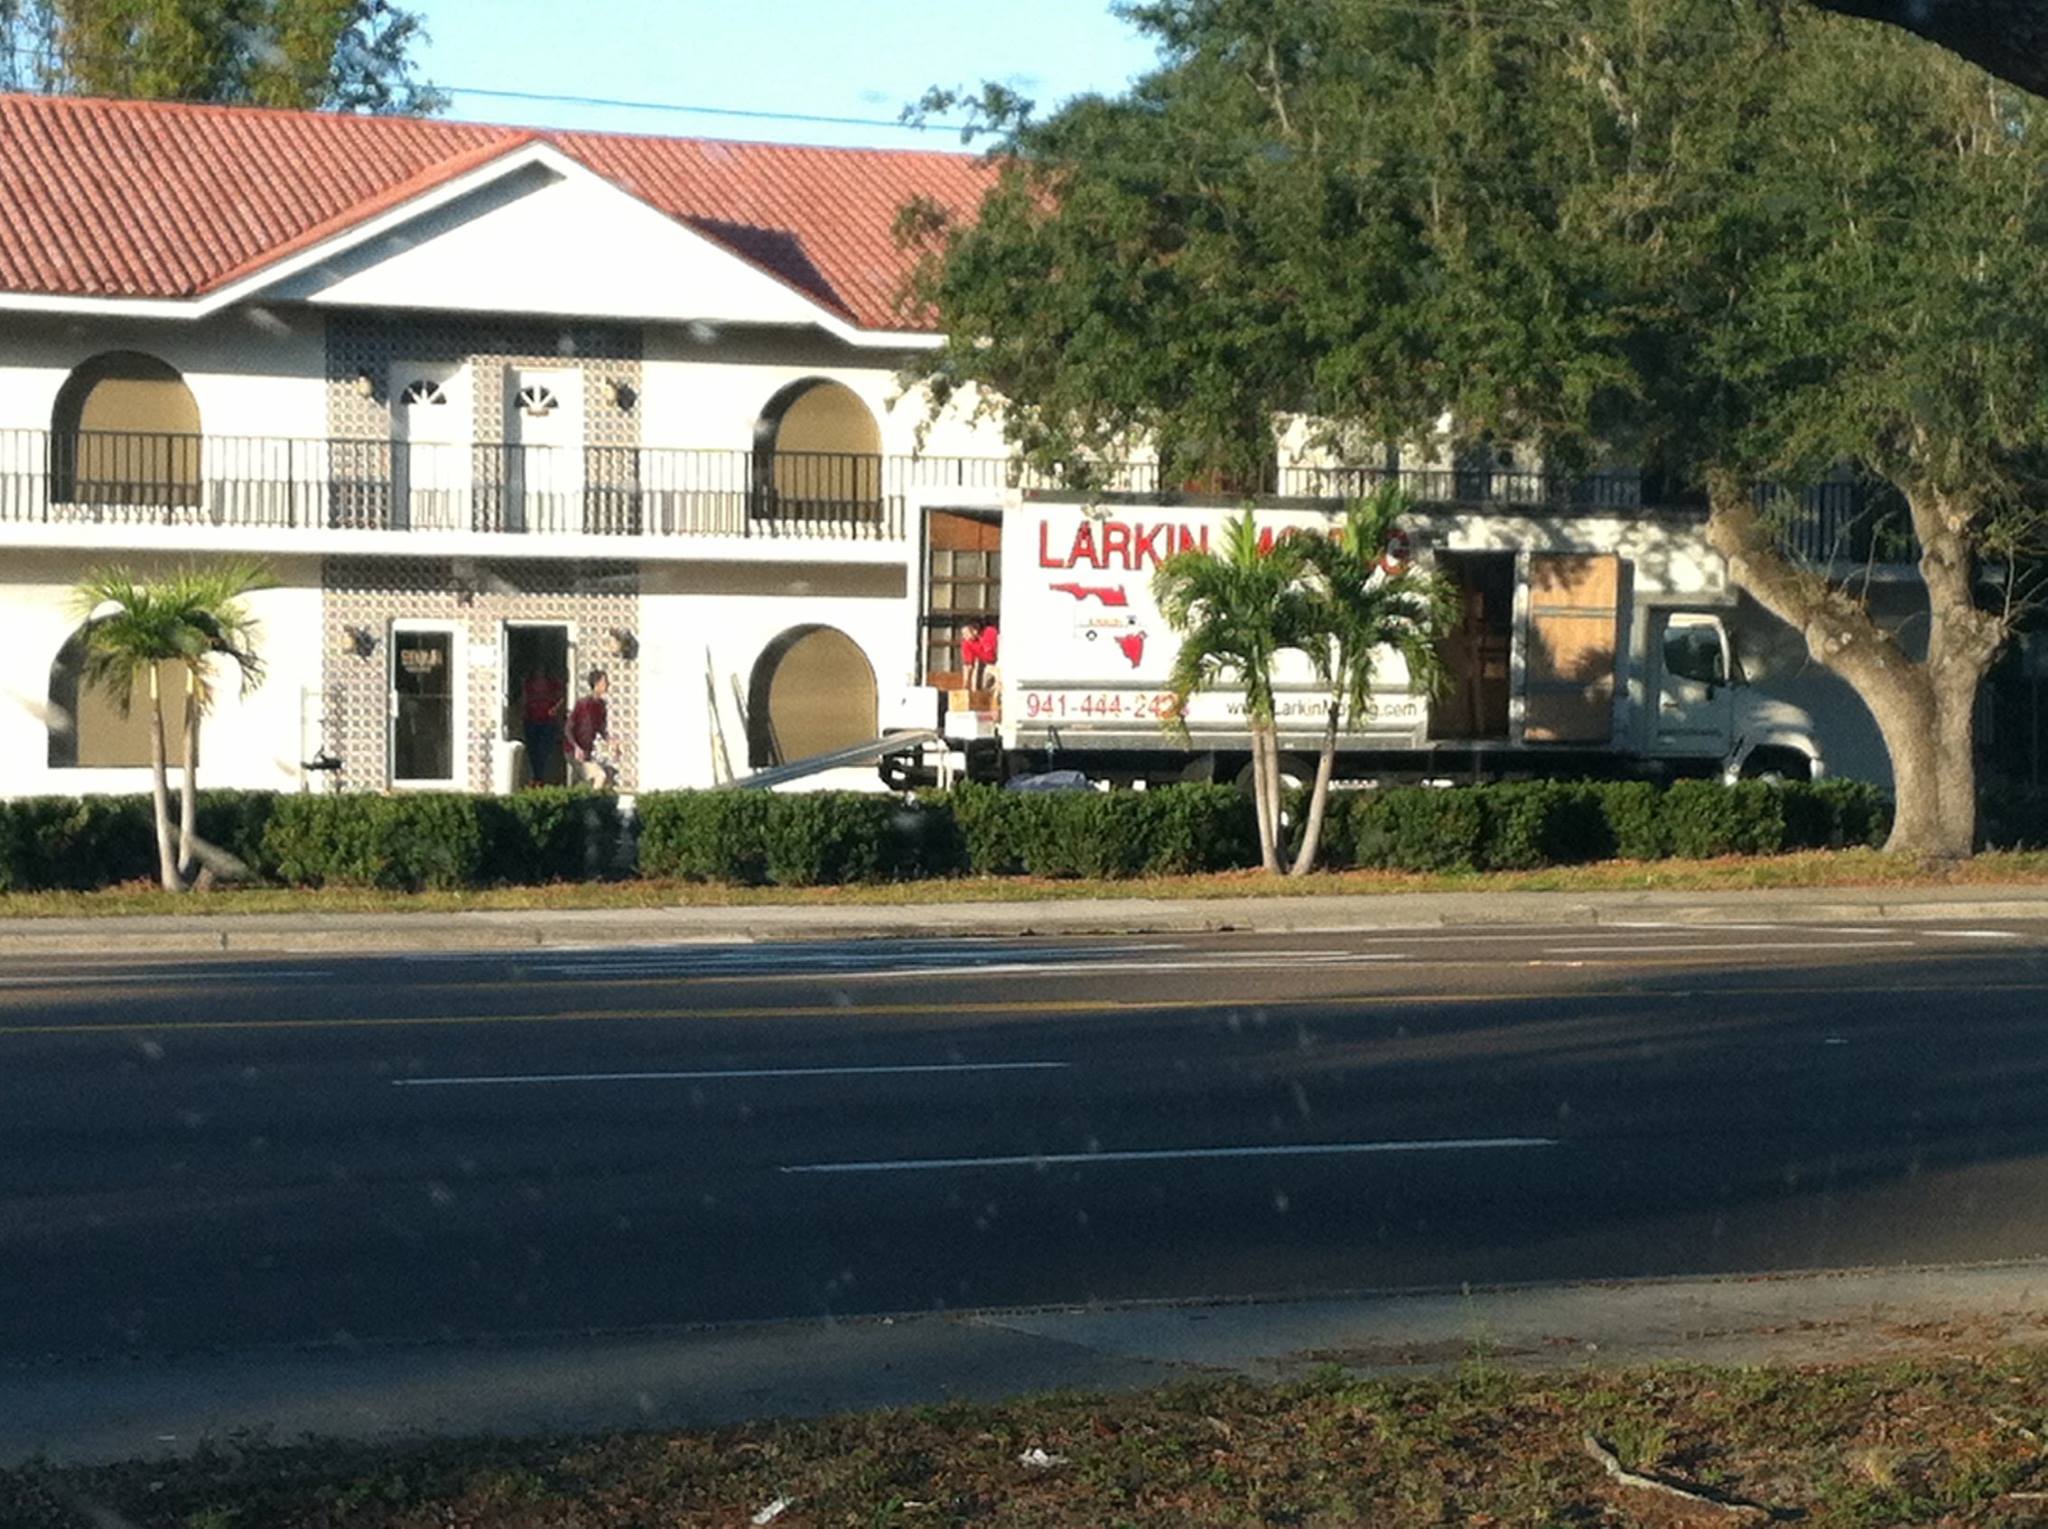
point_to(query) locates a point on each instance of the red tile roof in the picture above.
(148, 200)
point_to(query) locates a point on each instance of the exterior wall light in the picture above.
(625, 395)
(365, 386)
(625, 644)
(360, 641)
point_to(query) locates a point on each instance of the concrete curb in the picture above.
(199, 935)
(692, 1378)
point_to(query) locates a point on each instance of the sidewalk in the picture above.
(201, 934)
(111, 1410)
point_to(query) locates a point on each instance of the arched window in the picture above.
(818, 455)
(87, 728)
(813, 691)
(125, 431)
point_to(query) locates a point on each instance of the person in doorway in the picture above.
(590, 721)
(540, 705)
(979, 648)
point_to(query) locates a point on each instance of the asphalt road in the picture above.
(240, 1153)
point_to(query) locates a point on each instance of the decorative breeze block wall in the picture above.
(369, 593)
(369, 344)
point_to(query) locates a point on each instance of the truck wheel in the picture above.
(1296, 774)
(1776, 766)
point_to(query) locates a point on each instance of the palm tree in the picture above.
(189, 619)
(1359, 604)
(1235, 609)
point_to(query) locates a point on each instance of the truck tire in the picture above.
(1776, 766)
(1296, 774)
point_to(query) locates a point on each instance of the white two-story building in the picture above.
(488, 402)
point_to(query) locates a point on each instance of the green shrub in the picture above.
(1834, 814)
(1167, 831)
(830, 838)
(549, 834)
(1192, 829)
(76, 843)
(1420, 828)
(2012, 816)
(1530, 824)
(804, 839)
(1633, 811)
(1704, 818)
(988, 827)
(410, 842)
(236, 821)
(705, 835)
(448, 840)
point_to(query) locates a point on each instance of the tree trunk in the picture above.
(188, 814)
(160, 789)
(1319, 797)
(1276, 798)
(1262, 791)
(1925, 710)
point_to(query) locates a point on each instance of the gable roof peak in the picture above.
(103, 198)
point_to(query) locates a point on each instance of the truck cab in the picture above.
(1702, 707)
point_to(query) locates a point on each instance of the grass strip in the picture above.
(1817, 869)
(1957, 1442)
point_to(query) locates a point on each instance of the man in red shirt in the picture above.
(540, 707)
(590, 721)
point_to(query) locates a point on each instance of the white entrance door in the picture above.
(1695, 709)
(432, 432)
(544, 450)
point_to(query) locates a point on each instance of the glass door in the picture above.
(423, 707)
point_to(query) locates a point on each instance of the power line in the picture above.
(752, 114)
(51, 66)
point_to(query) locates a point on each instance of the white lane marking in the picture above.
(1087, 967)
(1678, 924)
(799, 954)
(1970, 934)
(1176, 1154)
(718, 1075)
(1118, 968)
(1665, 950)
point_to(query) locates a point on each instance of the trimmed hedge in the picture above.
(822, 838)
(1524, 825)
(446, 840)
(443, 840)
(1173, 830)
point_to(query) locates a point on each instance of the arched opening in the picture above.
(813, 691)
(87, 728)
(817, 455)
(125, 431)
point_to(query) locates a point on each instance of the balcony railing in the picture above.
(281, 483)
(1842, 525)
(269, 482)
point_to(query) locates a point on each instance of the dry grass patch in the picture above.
(1820, 869)
(1956, 1444)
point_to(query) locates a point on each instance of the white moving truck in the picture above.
(1598, 642)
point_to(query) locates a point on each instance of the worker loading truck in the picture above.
(1598, 642)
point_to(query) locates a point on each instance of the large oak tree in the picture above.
(1734, 242)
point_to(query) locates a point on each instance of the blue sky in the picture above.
(847, 58)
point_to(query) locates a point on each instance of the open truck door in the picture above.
(1574, 640)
